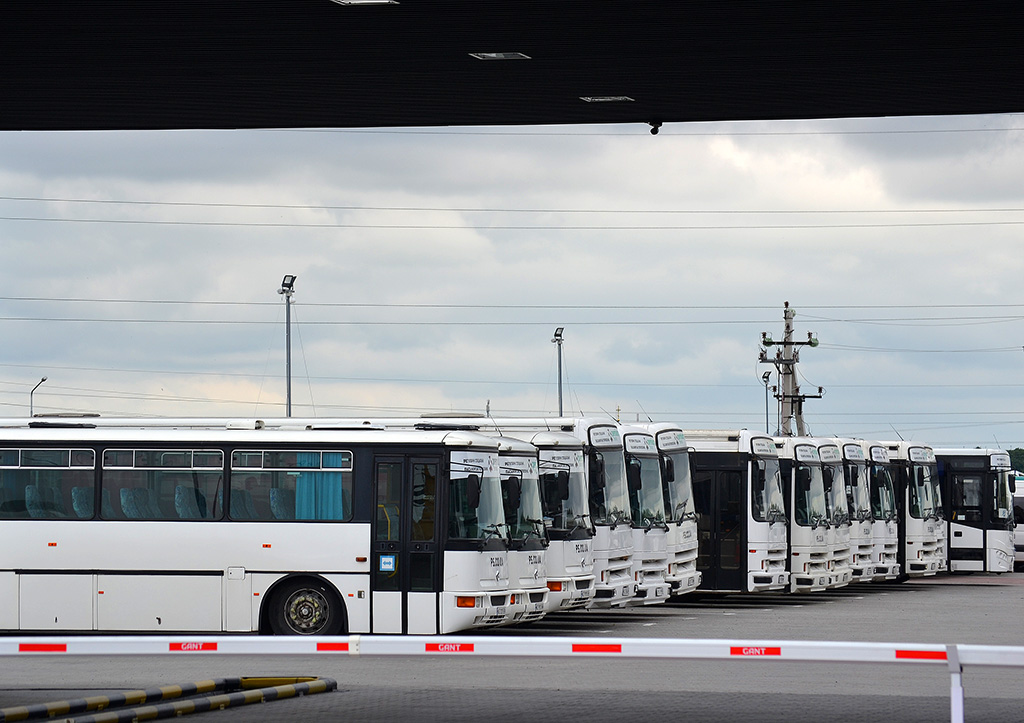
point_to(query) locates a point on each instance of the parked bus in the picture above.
(885, 535)
(977, 493)
(528, 539)
(807, 510)
(326, 531)
(676, 479)
(570, 553)
(838, 512)
(741, 517)
(858, 500)
(913, 467)
(647, 509)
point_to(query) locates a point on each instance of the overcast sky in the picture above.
(141, 271)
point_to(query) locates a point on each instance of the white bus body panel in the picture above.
(9, 603)
(528, 582)
(683, 576)
(574, 561)
(150, 603)
(861, 550)
(466, 572)
(1000, 551)
(650, 561)
(56, 602)
(884, 549)
(613, 565)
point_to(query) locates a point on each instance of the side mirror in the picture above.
(633, 475)
(668, 470)
(514, 491)
(562, 485)
(595, 468)
(473, 487)
(803, 479)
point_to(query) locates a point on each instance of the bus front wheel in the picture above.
(306, 607)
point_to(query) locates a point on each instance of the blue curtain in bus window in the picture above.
(318, 496)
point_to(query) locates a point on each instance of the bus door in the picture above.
(406, 564)
(718, 496)
(967, 522)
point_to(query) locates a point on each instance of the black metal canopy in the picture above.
(134, 64)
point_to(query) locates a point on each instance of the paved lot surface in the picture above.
(978, 609)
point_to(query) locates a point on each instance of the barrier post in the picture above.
(956, 688)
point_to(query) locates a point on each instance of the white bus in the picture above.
(677, 481)
(740, 506)
(913, 467)
(807, 508)
(277, 531)
(837, 509)
(570, 553)
(977, 491)
(647, 509)
(858, 501)
(885, 536)
(528, 539)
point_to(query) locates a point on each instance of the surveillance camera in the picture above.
(655, 127)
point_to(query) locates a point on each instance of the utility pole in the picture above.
(287, 289)
(787, 355)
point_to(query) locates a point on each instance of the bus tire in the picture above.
(306, 606)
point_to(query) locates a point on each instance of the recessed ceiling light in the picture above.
(606, 99)
(500, 56)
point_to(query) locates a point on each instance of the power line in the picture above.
(506, 227)
(582, 307)
(466, 209)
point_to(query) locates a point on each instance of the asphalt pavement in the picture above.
(977, 609)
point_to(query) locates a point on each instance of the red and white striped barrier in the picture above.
(953, 657)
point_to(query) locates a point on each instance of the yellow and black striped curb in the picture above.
(229, 692)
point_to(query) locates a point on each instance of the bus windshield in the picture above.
(768, 504)
(476, 510)
(921, 504)
(609, 496)
(678, 484)
(646, 498)
(520, 491)
(858, 494)
(564, 493)
(839, 510)
(1004, 498)
(883, 495)
(810, 509)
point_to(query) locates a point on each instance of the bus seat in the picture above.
(82, 501)
(185, 503)
(130, 504)
(34, 502)
(282, 503)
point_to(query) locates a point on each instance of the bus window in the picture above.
(967, 499)
(291, 486)
(47, 484)
(424, 498)
(161, 484)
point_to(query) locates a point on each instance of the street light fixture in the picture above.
(558, 340)
(31, 406)
(287, 289)
(765, 378)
